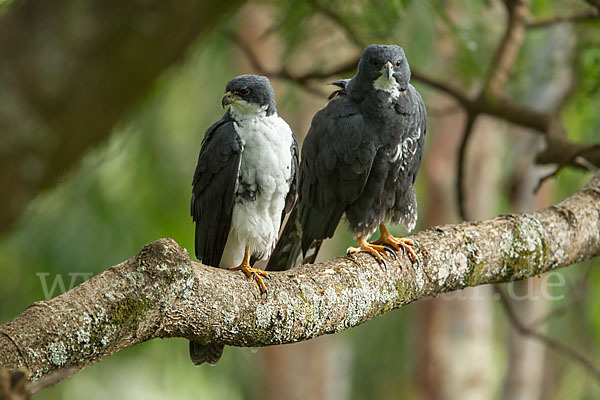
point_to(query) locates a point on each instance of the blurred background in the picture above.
(103, 106)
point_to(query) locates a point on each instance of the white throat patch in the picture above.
(387, 85)
(241, 110)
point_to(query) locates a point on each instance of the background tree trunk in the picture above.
(527, 357)
(69, 70)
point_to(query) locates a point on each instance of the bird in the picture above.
(244, 184)
(360, 158)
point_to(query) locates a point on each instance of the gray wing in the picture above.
(213, 190)
(337, 155)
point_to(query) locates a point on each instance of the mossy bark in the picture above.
(161, 293)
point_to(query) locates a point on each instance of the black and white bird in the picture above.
(244, 184)
(360, 158)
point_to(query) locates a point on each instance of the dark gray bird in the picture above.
(244, 184)
(360, 158)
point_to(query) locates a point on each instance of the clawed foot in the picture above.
(406, 245)
(253, 274)
(375, 250)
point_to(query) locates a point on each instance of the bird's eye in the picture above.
(245, 91)
(375, 62)
(398, 63)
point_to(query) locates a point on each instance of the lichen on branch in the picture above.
(162, 293)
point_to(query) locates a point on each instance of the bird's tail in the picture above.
(288, 248)
(311, 253)
(292, 244)
(210, 353)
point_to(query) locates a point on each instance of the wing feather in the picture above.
(337, 155)
(213, 192)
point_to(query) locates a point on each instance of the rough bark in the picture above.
(161, 293)
(69, 70)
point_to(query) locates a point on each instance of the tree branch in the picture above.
(508, 49)
(584, 157)
(161, 293)
(303, 80)
(502, 62)
(489, 101)
(497, 107)
(584, 16)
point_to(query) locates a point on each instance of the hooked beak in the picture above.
(388, 70)
(228, 99)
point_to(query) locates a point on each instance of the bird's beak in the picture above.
(228, 99)
(388, 70)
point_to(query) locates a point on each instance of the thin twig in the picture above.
(443, 111)
(585, 16)
(508, 49)
(551, 343)
(577, 157)
(282, 73)
(453, 92)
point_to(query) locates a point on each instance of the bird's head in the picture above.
(249, 95)
(385, 65)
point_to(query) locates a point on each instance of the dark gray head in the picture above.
(387, 61)
(249, 93)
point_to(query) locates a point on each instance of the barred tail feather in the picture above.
(313, 251)
(210, 353)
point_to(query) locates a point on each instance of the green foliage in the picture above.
(471, 38)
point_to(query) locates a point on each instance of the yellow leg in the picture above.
(362, 246)
(252, 273)
(387, 239)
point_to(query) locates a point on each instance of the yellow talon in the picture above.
(252, 273)
(386, 238)
(365, 247)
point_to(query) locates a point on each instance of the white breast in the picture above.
(266, 167)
